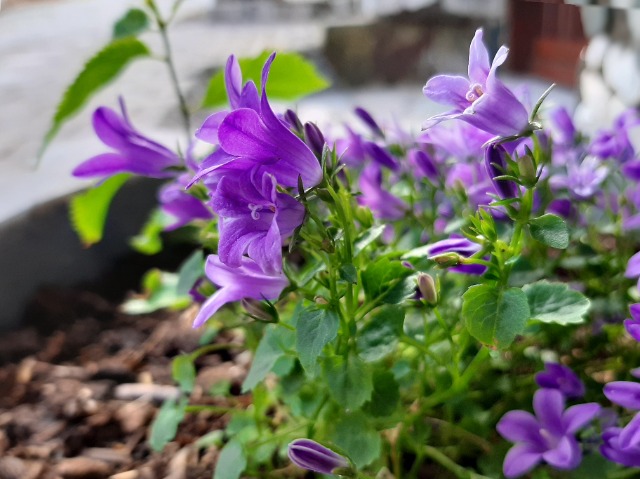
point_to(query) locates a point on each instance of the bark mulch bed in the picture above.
(77, 396)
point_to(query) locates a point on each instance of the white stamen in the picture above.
(254, 211)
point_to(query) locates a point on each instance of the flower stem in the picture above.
(442, 459)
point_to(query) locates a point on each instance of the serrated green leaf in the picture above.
(190, 271)
(550, 230)
(184, 372)
(291, 77)
(132, 23)
(556, 303)
(314, 330)
(160, 292)
(495, 316)
(166, 423)
(386, 394)
(88, 210)
(231, 462)
(379, 337)
(273, 345)
(350, 382)
(97, 73)
(357, 438)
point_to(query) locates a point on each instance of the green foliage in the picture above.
(367, 238)
(275, 343)
(166, 423)
(88, 210)
(382, 280)
(379, 337)
(160, 290)
(184, 372)
(132, 23)
(350, 381)
(556, 303)
(231, 462)
(385, 396)
(98, 72)
(149, 240)
(357, 437)
(190, 271)
(291, 77)
(315, 328)
(550, 230)
(493, 315)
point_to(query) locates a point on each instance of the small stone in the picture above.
(155, 392)
(595, 52)
(134, 416)
(12, 468)
(126, 475)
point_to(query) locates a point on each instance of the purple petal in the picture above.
(633, 266)
(520, 459)
(576, 417)
(519, 426)
(612, 451)
(106, 164)
(633, 328)
(623, 393)
(381, 155)
(634, 309)
(478, 60)
(566, 455)
(208, 132)
(630, 434)
(448, 90)
(548, 405)
(233, 81)
(315, 457)
(366, 117)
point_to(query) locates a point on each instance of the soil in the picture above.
(77, 397)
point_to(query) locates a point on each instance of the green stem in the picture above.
(460, 432)
(442, 459)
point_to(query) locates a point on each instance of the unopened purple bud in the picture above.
(427, 288)
(365, 116)
(380, 155)
(495, 161)
(423, 164)
(314, 138)
(310, 455)
(294, 122)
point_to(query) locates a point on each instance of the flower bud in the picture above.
(257, 311)
(294, 122)
(495, 161)
(310, 455)
(427, 288)
(447, 260)
(314, 138)
(366, 117)
(527, 169)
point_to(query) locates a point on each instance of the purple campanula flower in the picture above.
(292, 119)
(179, 204)
(253, 135)
(383, 204)
(366, 117)
(495, 161)
(423, 165)
(134, 153)
(350, 150)
(562, 378)
(612, 446)
(246, 281)
(314, 138)
(583, 178)
(633, 325)
(473, 179)
(310, 455)
(481, 100)
(563, 131)
(458, 139)
(562, 207)
(381, 155)
(461, 246)
(623, 393)
(548, 436)
(254, 219)
(615, 143)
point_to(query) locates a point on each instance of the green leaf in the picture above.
(97, 73)
(366, 238)
(231, 462)
(315, 329)
(88, 210)
(495, 316)
(359, 440)
(160, 291)
(290, 78)
(556, 303)
(550, 230)
(277, 340)
(383, 275)
(386, 394)
(350, 382)
(133, 23)
(166, 423)
(149, 240)
(190, 271)
(184, 372)
(379, 337)
(349, 273)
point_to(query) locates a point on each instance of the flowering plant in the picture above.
(398, 293)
